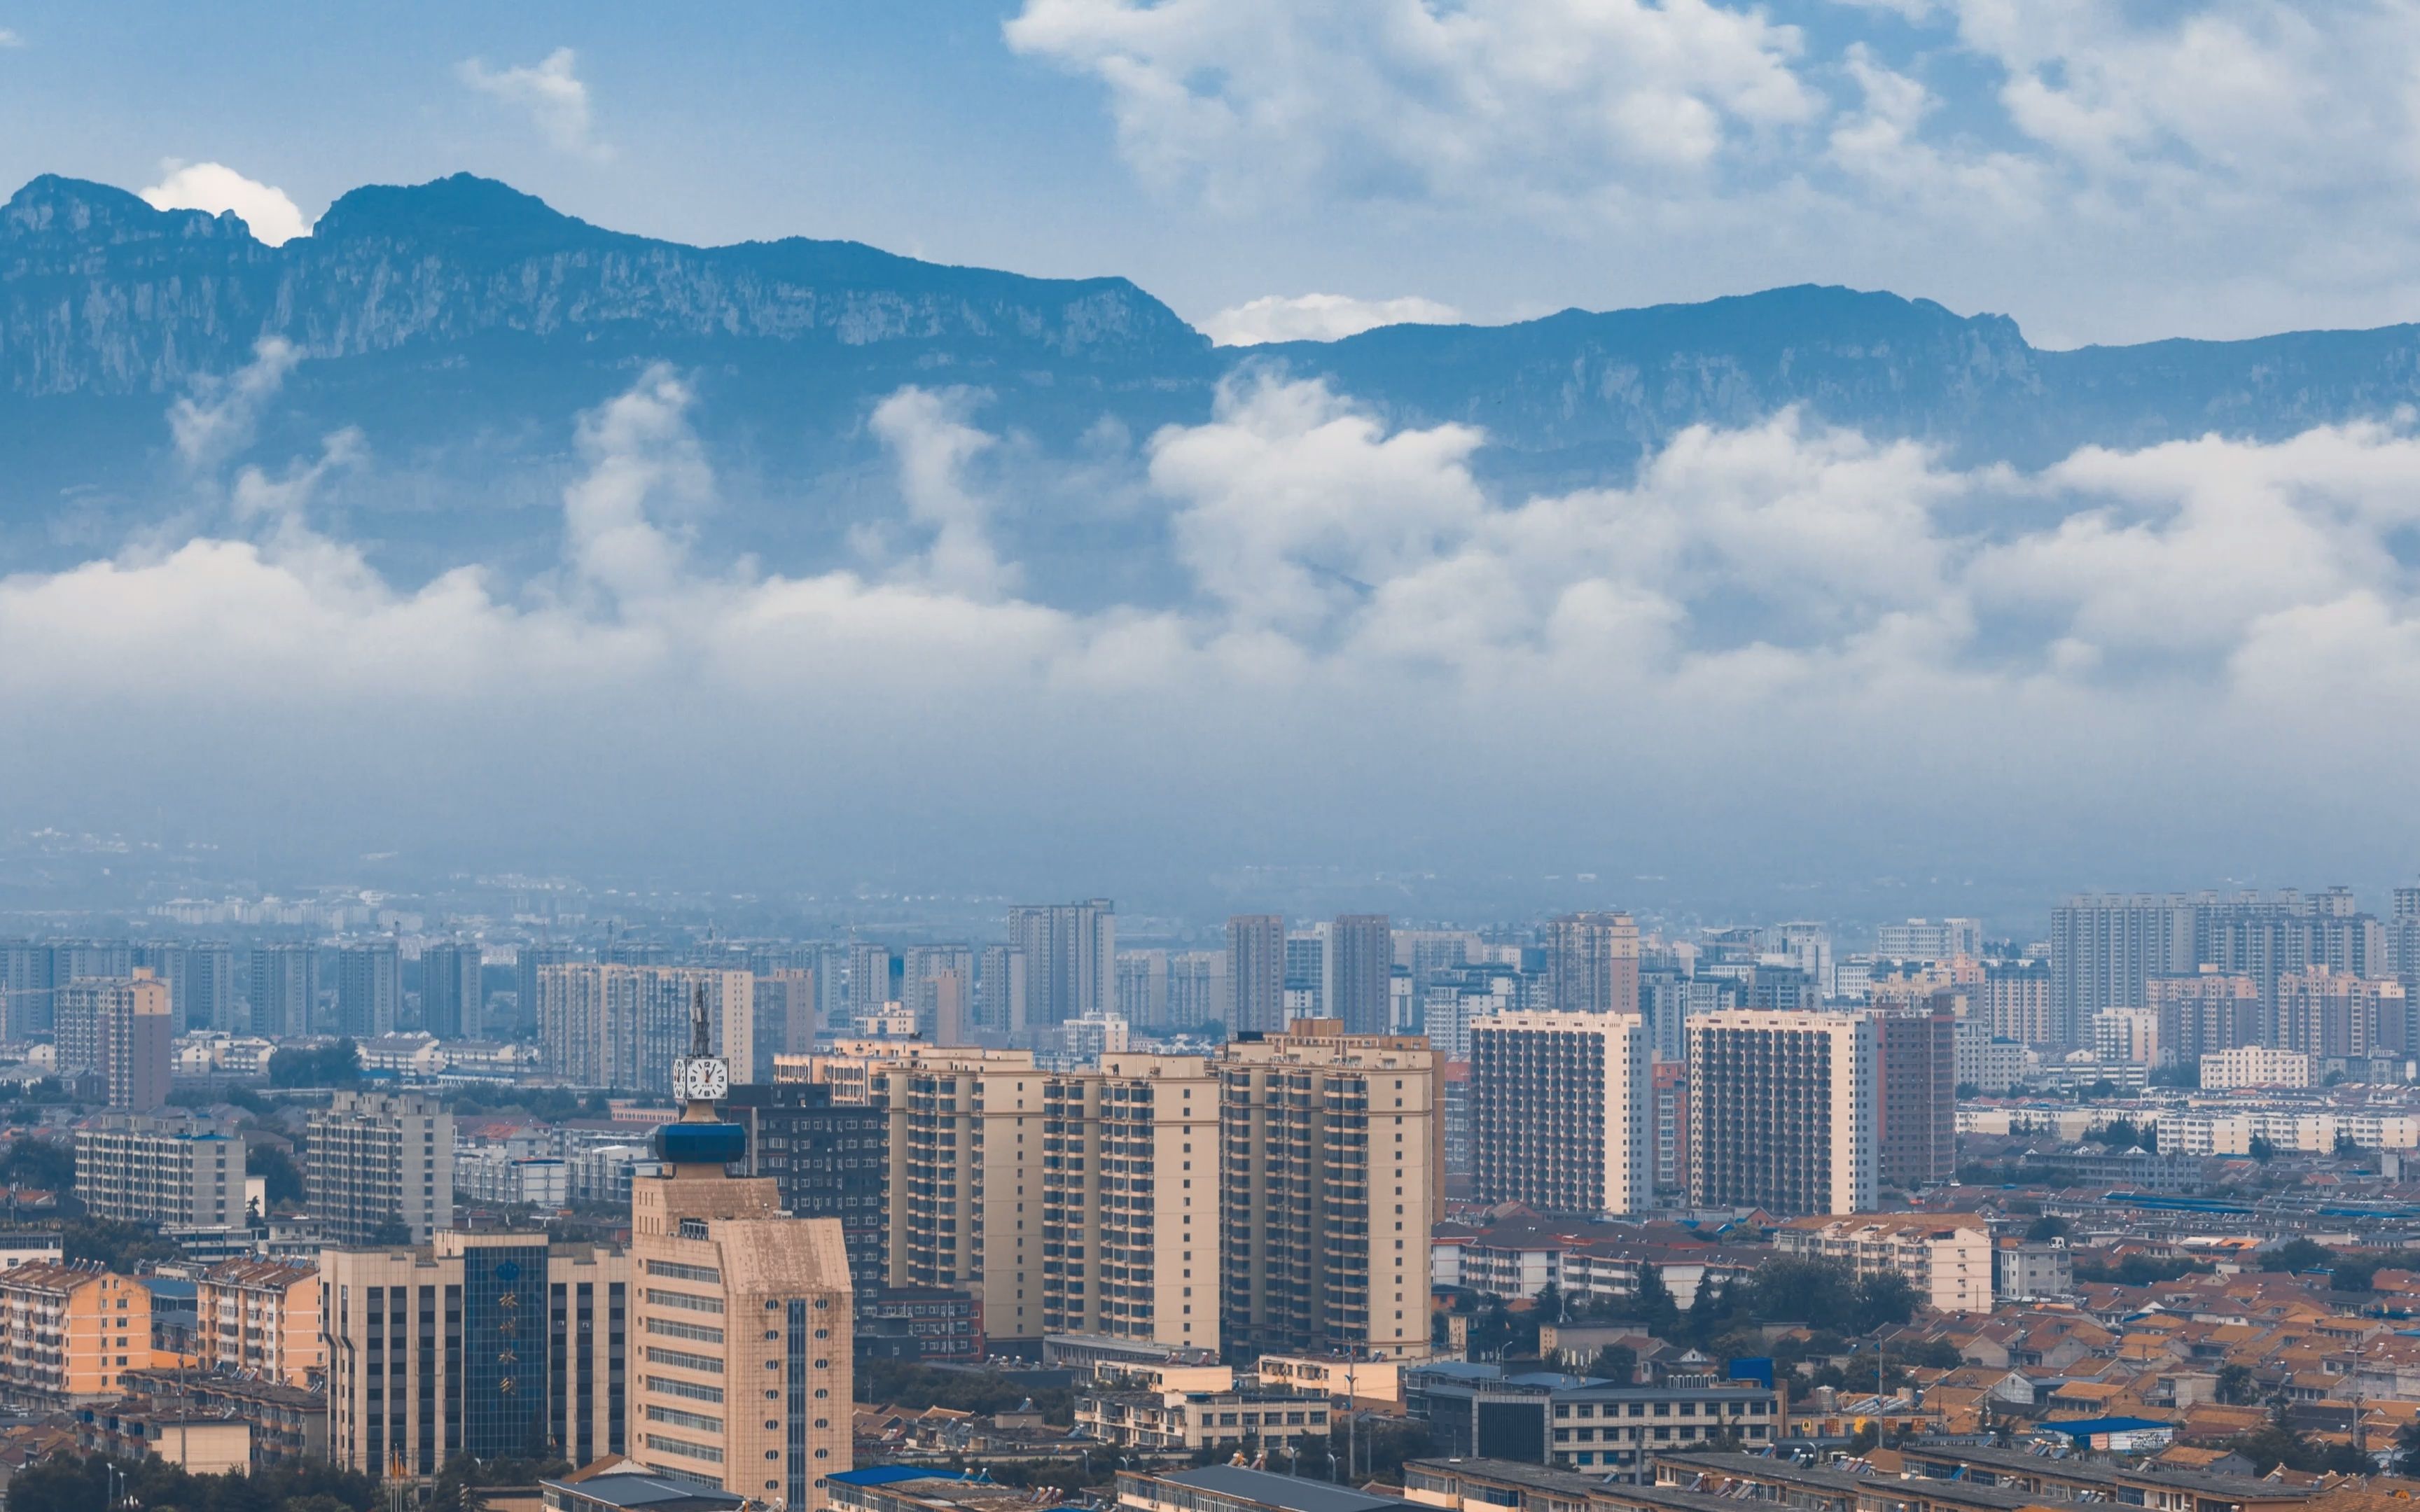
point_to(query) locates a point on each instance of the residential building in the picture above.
(1459, 997)
(2203, 1014)
(1198, 989)
(1782, 1111)
(729, 1289)
(873, 978)
(936, 983)
(1592, 962)
(1988, 1064)
(2254, 1065)
(1808, 946)
(1002, 991)
(2013, 1000)
(1455, 1119)
(1070, 957)
(72, 1332)
(2272, 935)
(1668, 1089)
(453, 998)
(369, 989)
(1306, 972)
(261, 1317)
(201, 983)
(1560, 1109)
(163, 1170)
(2324, 1012)
(1925, 940)
(1358, 966)
(2104, 947)
(284, 989)
(117, 1029)
(1612, 1431)
(785, 1012)
(1256, 971)
(1176, 1422)
(918, 1323)
(379, 1167)
(1331, 1178)
(492, 1346)
(2031, 1269)
(606, 1024)
(1917, 1107)
(498, 1178)
(2128, 1034)
(527, 962)
(1946, 1258)
(1130, 1201)
(826, 1159)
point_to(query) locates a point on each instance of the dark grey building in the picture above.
(1584, 1423)
(452, 1001)
(828, 1158)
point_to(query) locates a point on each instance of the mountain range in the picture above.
(463, 326)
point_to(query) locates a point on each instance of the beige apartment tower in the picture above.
(1130, 1209)
(1332, 1160)
(1592, 962)
(1558, 1109)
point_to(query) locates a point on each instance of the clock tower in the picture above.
(741, 1341)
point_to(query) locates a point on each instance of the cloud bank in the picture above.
(1785, 650)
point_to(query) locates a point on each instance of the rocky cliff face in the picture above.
(100, 294)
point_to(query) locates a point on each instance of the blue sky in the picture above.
(2101, 169)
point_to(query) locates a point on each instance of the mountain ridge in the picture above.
(462, 325)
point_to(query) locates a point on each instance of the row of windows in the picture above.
(673, 1270)
(683, 1447)
(679, 1419)
(685, 1362)
(691, 1390)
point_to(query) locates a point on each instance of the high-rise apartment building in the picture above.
(1808, 947)
(1668, 1084)
(379, 1167)
(201, 983)
(453, 1000)
(785, 1010)
(1197, 989)
(1927, 939)
(1332, 1169)
(2328, 1014)
(2104, 946)
(1142, 994)
(369, 989)
(873, 978)
(1256, 971)
(1915, 1053)
(2012, 999)
(1306, 973)
(1359, 968)
(2267, 936)
(603, 1024)
(1070, 957)
(169, 1170)
(1782, 1111)
(741, 1327)
(964, 1141)
(262, 1316)
(284, 989)
(1002, 992)
(527, 962)
(1130, 1201)
(2204, 1013)
(117, 1029)
(2120, 1035)
(827, 1158)
(936, 983)
(1592, 962)
(1560, 1110)
(489, 1346)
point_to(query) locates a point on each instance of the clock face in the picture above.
(706, 1079)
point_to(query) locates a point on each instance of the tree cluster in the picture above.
(78, 1483)
(331, 1065)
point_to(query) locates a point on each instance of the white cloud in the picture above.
(1780, 626)
(1494, 100)
(215, 187)
(1320, 317)
(10, 39)
(215, 421)
(553, 96)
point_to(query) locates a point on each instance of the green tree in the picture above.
(1652, 1305)
(1883, 1300)
(2236, 1387)
(2045, 1228)
(117, 1245)
(1615, 1362)
(2297, 1254)
(281, 1178)
(335, 1065)
(40, 1164)
(2261, 1150)
(2407, 1450)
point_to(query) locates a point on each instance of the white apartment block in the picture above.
(2254, 1065)
(1559, 1112)
(169, 1170)
(604, 1025)
(378, 1159)
(1946, 1256)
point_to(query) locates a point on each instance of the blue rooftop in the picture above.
(889, 1475)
